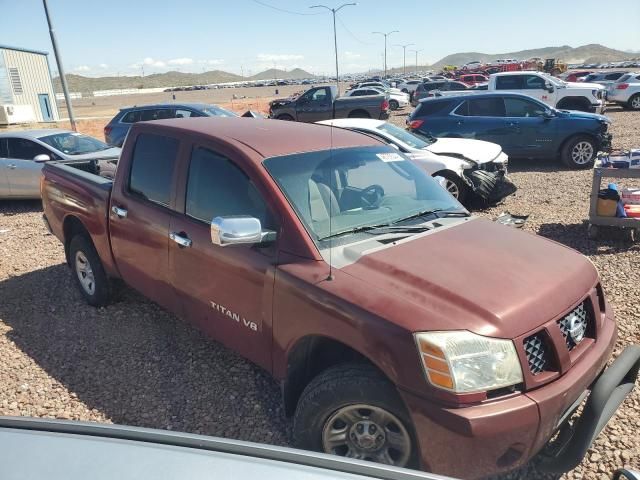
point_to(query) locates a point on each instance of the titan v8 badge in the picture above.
(236, 317)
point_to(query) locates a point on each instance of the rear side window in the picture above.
(486, 107)
(132, 116)
(152, 167)
(427, 108)
(24, 149)
(3, 148)
(218, 188)
(513, 82)
(156, 114)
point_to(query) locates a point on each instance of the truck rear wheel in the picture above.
(88, 271)
(352, 411)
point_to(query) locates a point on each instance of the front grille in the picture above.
(537, 355)
(575, 325)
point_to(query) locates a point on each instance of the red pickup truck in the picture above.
(401, 329)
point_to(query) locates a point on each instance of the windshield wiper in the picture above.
(438, 212)
(382, 228)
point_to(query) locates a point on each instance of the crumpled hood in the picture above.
(584, 115)
(479, 276)
(477, 150)
(109, 154)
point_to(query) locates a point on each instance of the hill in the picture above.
(79, 83)
(587, 53)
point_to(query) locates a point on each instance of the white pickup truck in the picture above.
(587, 97)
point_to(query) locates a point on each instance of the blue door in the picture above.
(45, 107)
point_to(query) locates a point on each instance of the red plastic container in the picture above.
(632, 211)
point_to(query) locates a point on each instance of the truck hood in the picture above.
(477, 275)
(477, 150)
(583, 85)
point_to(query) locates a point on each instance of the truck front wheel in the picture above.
(88, 271)
(352, 411)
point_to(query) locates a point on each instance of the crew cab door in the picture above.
(536, 87)
(141, 207)
(315, 105)
(226, 291)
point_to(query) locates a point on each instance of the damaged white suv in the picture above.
(466, 165)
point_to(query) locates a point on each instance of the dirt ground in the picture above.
(133, 363)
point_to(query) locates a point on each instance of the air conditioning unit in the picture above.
(12, 114)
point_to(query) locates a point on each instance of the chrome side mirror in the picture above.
(238, 230)
(43, 157)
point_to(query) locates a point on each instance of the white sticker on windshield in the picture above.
(390, 157)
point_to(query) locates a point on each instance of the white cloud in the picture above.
(180, 61)
(153, 63)
(271, 57)
(82, 68)
(103, 65)
(351, 55)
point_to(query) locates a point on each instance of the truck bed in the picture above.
(70, 193)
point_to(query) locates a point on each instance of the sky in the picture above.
(125, 37)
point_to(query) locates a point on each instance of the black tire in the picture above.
(359, 114)
(286, 117)
(455, 183)
(634, 102)
(393, 104)
(404, 90)
(81, 250)
(350, 386)
(575, 151)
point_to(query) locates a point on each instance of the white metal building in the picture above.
(26, 89)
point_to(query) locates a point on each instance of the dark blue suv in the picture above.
(523, 126)
(117, 129)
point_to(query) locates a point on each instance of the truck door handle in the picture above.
(119, 212)
(180, 239)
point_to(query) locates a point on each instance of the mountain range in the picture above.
(593, 53)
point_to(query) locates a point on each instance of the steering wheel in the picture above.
(371, 196)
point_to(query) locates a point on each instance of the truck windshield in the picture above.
(356, 188)
(72, 143)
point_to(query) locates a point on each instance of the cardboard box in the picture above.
(606, 208)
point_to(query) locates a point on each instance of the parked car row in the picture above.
(342, 268)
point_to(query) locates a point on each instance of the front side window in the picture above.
(24, 149)
(533, 82)
(182, 113)
(317, 96)
(520, 107)
(218, 188)
(337, 191)
(152, 167)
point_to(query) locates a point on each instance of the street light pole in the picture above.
(335, 36)
(63, 79)
(416, 52)
(385, 47)
(404, 57)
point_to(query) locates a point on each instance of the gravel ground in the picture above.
(133, 363)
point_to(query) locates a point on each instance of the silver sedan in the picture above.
(23, 153)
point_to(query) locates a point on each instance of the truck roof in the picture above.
(268, 137)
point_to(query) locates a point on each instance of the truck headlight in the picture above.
(463, 362)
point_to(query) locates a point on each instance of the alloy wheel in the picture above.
(582, 153)
(635, 102)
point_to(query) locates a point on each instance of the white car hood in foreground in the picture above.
(592, 86)
(477, 150)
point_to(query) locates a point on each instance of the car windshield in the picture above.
(405, 136)
(341, 191)
(72, 143)
(215, 111)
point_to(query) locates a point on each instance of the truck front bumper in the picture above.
(500, 435)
